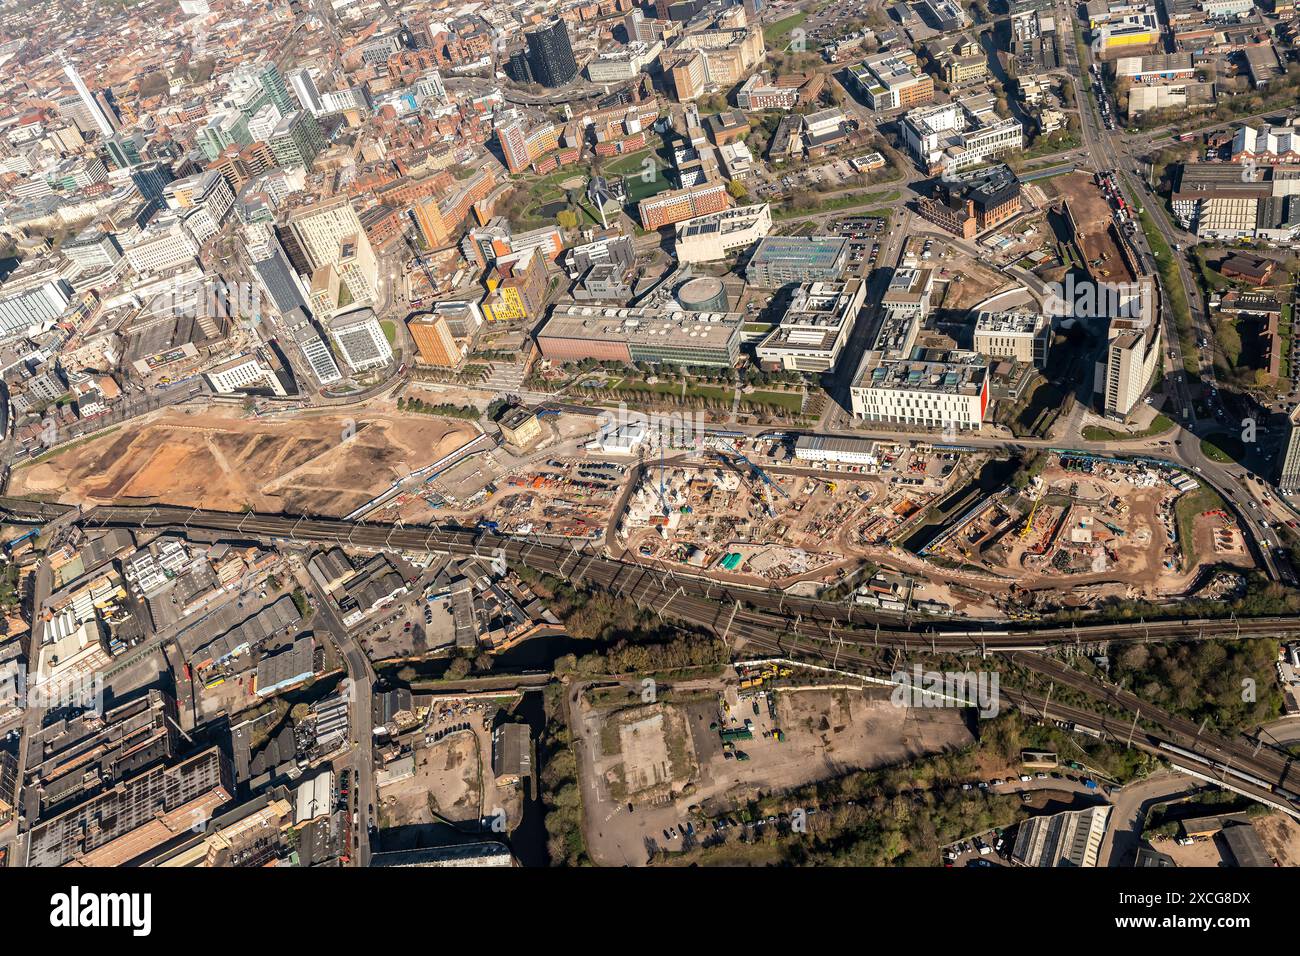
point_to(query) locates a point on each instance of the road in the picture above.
(1131, 804)
(842, 637)
(1112, 149)
(361, 676)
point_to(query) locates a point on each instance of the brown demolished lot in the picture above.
(326, 464)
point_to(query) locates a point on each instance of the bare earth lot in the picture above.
(310, 464)
(446, 779)
(664, 758)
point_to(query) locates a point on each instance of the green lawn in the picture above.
(1222, 447)
(390, 331)
(1100, 433)
(849, 201)
(1174, 292)
(711, 392)
(776, 35)
(791, 402)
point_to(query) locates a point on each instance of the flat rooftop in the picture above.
(955, 373)
(1009, 323)
(799, 250)
(641, 326)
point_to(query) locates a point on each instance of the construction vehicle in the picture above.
(1029, 522)
(733, 455)
(663, 497)
(30, 535)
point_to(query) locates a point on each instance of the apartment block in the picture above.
(676, 205)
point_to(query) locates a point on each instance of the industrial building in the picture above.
(75, 757)
(512, 758)
(281, 670)
(831, 448)
(1071, 838)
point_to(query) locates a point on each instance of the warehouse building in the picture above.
(830, 448)
(512, 756)
(1072, 838)
(282, 670)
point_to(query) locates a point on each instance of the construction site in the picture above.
(1097, 220)
(713, 745)
(1086, 521)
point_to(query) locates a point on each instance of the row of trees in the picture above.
(421, 407)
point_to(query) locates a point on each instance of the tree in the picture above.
(567, 219)
(737, 189)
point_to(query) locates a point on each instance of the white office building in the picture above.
(814, 329)
(241, 373)
(163, 245)
(716, 235)
(360, 340)
(1022, 336)
(940, 391)
(958, 135)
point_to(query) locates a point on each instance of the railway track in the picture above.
(776, 623)
(825, 619)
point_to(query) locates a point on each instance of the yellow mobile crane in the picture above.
(1029, 522)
